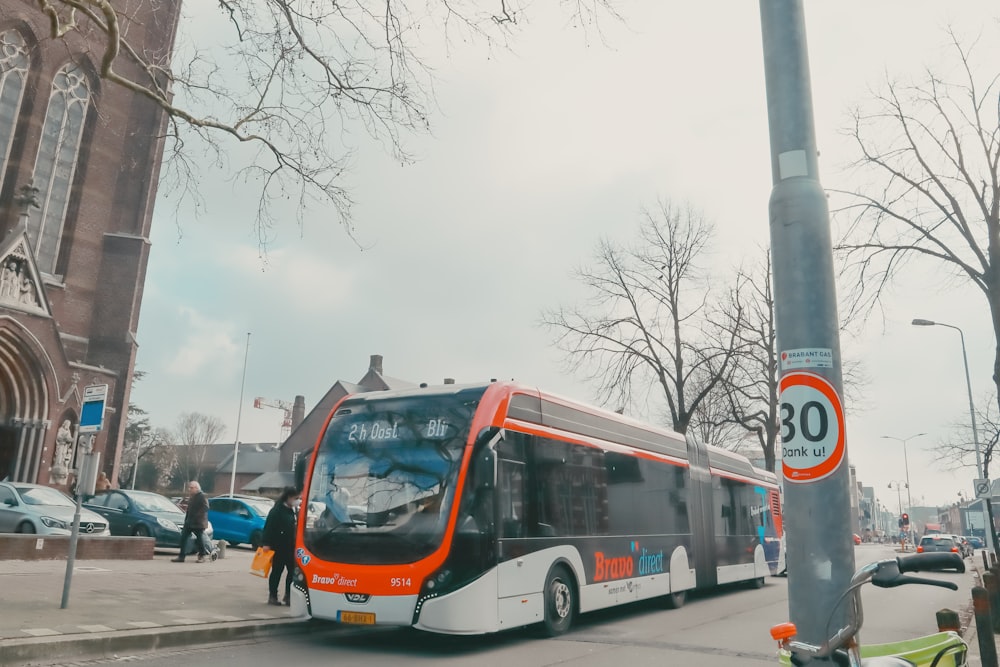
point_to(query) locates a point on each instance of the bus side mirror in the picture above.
(300, 471)
(485, 470)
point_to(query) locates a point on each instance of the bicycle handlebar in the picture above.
(932, 562)
(888, 573)
(884, 574)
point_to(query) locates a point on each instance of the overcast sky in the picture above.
(535, 155)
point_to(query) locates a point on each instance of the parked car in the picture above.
(975, 542)
(33, 508)
(239, 519)
(140, 513)
(964, 547)
(857, 538)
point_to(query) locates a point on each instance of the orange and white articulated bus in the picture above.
(469, 509)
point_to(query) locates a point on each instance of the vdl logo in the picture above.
(619, 567)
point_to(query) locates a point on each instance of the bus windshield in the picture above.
(385, 475)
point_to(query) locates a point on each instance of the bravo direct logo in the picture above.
(639, 561)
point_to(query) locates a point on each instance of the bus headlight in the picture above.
(438, 580)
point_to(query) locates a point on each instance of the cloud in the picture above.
(207, 346)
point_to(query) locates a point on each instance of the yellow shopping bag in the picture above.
(261, 565)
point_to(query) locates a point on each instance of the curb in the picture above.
(46, 650)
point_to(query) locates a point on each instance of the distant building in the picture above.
(304, 435)
(251, 463)
(79, 163)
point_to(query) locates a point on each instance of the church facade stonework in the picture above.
(79, 163)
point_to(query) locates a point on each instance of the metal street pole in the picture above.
(239, 418)
(899, 497)
(906, 465)
(815, 473)
(991, 533)
(138, 448)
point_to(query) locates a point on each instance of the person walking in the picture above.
(195, 522)
(279, 537)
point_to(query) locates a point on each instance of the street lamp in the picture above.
(906, 465)
(896, 484)
(138, 449)
(972, 414)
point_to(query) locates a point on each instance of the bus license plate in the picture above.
(357, 618)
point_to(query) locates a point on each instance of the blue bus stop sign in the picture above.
(92, 410)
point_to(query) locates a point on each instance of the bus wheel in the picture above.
(757, 583)
(560, 601)
(676, 599)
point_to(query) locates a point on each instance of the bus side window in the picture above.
(511, 480)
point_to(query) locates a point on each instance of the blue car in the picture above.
(239, 519)
(139, 513)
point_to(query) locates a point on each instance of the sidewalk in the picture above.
(120, 605)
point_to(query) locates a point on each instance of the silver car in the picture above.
(33, 508)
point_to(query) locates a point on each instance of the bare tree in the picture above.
(932, 149)
(713, 423)
(751, 387)
(145, 446)
(647, 327)
(193, 433)
(959, 450)
(291, 81)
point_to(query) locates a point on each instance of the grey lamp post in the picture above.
(972, 417)
(138, 450)
(906, 466)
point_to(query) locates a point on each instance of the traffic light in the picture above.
(906, 520)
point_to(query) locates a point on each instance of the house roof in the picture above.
(271, 480)
(216, 453)
(251, 462)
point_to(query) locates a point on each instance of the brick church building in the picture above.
(79, 163)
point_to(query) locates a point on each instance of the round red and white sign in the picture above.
(812, 427)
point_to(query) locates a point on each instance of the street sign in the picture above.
(812, 427)
(92, 410)
(982, 488)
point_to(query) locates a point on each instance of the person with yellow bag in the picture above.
(279, 537)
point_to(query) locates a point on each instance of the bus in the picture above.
(470, 509)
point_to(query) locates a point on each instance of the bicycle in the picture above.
(938, 650)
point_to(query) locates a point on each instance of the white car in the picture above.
(33, 508)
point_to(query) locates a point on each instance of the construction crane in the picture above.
(286, 407)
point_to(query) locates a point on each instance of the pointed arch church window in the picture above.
(13, 72)
(56, 162)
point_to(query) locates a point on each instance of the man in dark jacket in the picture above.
(195, 522)
(279, 536)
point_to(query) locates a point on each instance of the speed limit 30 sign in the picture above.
(812, 427)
